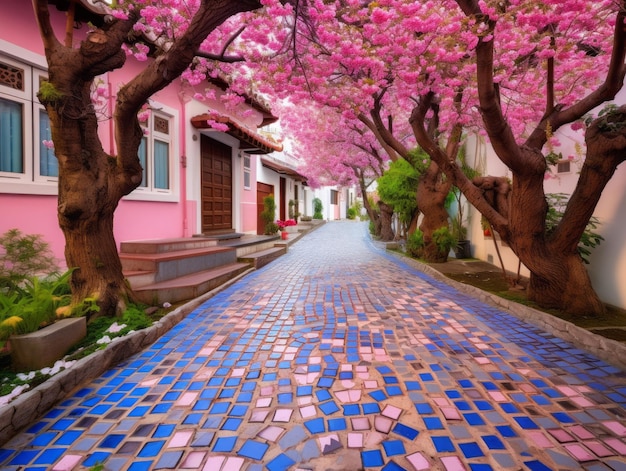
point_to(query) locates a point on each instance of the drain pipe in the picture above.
(184, 99)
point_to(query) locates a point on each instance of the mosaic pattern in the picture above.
(339, 357)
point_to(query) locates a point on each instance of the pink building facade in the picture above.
(196, 179)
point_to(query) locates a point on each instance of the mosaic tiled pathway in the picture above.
(338, 357)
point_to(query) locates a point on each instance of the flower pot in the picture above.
(37, 350)
(462, 250)
(284, 235)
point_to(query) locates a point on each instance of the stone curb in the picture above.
(611, 351)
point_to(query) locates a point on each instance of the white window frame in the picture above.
(247, 171)
(149, 192)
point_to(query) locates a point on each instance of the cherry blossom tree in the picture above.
(91, 181)
(514, 71)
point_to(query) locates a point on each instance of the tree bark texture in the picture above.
(386, 213)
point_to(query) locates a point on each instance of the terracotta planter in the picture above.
(284, 235)
(37, 350)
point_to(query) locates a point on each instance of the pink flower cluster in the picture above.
(287, 222)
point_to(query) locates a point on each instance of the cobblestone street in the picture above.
(338, 356)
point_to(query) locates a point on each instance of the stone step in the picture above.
(189, 286)
(263, 257)
(166, 245)
(170, 265)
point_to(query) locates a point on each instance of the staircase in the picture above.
(179, 269)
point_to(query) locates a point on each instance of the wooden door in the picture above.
(217, 186)
(262, 190)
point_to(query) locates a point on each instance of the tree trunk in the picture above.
(431, 195)
(561, 282)
(386, 213)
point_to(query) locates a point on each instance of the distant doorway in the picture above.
(216, 186)
(262, 190)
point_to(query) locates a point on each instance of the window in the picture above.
(563, 166)
(156, 156)
(24, 126)
(334, 196)
(246, 171)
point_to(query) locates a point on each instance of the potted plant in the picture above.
(282, 227)
(445, 240)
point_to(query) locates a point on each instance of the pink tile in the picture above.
(193, 460)
(267, 390)
(383, 424)
(282, 415)
(308, 411)
(347, 383)
(370, 384)
(498, 396)
(419, 461)
(540, 439)
(180, 439)
(568, 391)
(452, 463)
(392, 412)
(214, 463)
(527, 388)
(582, 401)
(561, 435)
(233, 464)
(355, 440)
(615, 427)
(599, 449)
(482, 360)
(343, 396)
(581, 432)
(360, 423)
(451, 413)
(579, 452)
(259, 415)
(67, 463)
(187, 399)
(264, 402)
(617, 445)
(355, 395)
(441, 401)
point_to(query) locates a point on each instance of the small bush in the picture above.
(444, 239)
(317, 209)
(415, 244)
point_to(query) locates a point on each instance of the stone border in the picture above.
(608, 350)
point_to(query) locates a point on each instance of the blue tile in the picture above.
(224, 444)
(471, 450)
(536, 465)
(50, 455)
(95, 458)
(480, 467)
(391, 466)
(493, 442)
(253, 449)
(323, 395)
(474, 419)
(281, 463)
(231, 424)
(372, 458)
(370, 408)
(112, 441)
(44, 439)
(151, 449)
(433, 423)
(562, 417)
(394, 447)
(424, 408)
(164, 431)
(442, 444)
(335, 425)
(315, 425)
(405, 431)
(351, 409)
(526, 423)
(328, 408)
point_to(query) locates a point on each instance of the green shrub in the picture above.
(415, 244)
(317, 209)
(444, 239)
(23, 256)
(268, 214)
(351, 214)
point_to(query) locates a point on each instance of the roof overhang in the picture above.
(252, 142)
(282, 169)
